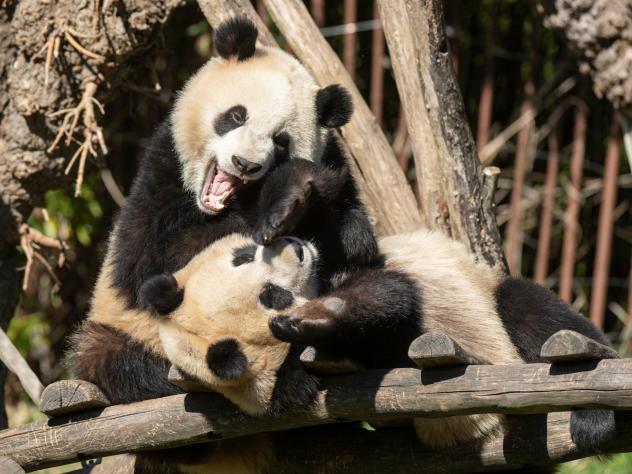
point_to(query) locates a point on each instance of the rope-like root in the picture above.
(92, 132)
(31, 241)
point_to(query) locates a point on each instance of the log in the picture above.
(435, 349)
(378, 394)
(326, 364)
(14, 361)
(9, 466)
(383, 186)
(538, 440)
(70, 396)
(447, 165)
(567, 345)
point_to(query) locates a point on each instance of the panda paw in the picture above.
(309, 324)
(160, 294)
(284, 215)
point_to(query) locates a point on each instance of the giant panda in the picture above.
(248, 148)
(501, 319)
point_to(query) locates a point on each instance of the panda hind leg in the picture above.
(531, 315)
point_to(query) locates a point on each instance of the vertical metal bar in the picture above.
(486, 103)
(548, 202)
(569, 244)
(349, 53)
(377, 69)
(455, 49)
(317, 8)
(514, 235)
(514, 226)
(599, 293)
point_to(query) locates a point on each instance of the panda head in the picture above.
(246, 110)
(219, 332)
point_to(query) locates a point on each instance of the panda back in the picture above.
(456, 292)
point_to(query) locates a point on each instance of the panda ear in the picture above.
(334, 106)
(160, 294)
(236, 38)
(226, 360)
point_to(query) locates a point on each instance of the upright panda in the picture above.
(504, 320)
(248, 148)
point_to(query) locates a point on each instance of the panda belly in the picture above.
(457, 298)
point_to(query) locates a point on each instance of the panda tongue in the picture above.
(223, 182)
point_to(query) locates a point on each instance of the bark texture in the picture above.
(600, 31)
(91, 46)
(446, 161)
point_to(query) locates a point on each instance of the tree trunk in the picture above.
(49, 53)
(449, 176)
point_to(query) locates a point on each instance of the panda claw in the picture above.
(300, 331)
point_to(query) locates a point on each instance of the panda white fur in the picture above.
(460, 299)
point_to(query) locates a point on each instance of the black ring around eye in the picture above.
(281, 139)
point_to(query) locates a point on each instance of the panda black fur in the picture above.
(445, 290)
(256, 115)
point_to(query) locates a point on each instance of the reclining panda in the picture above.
(220, 312)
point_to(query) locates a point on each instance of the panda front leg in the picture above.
(290, 191)
(372, 317)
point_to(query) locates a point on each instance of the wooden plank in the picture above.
(435, 349)
(373, 395)
(14, 361)
(529, 441)
(71, 396)
(9, 466)
(567, 345)
(326, 364)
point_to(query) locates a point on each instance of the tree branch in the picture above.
(446, 161)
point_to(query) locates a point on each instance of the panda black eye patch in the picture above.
(242, 255)
(233, 118)
(274, 297)
(281, 139)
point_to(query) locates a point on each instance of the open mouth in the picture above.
(218, 188)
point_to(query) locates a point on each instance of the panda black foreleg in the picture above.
(372, 317)
(531, 314)
(160, 294)
(290, 191)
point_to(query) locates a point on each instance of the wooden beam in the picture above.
(447, 165)
(14, 361)
(537, 440)
(370, 395)
(383, 186)
(435, 349)
(570, 346)
(9, 466)
(71, 396)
